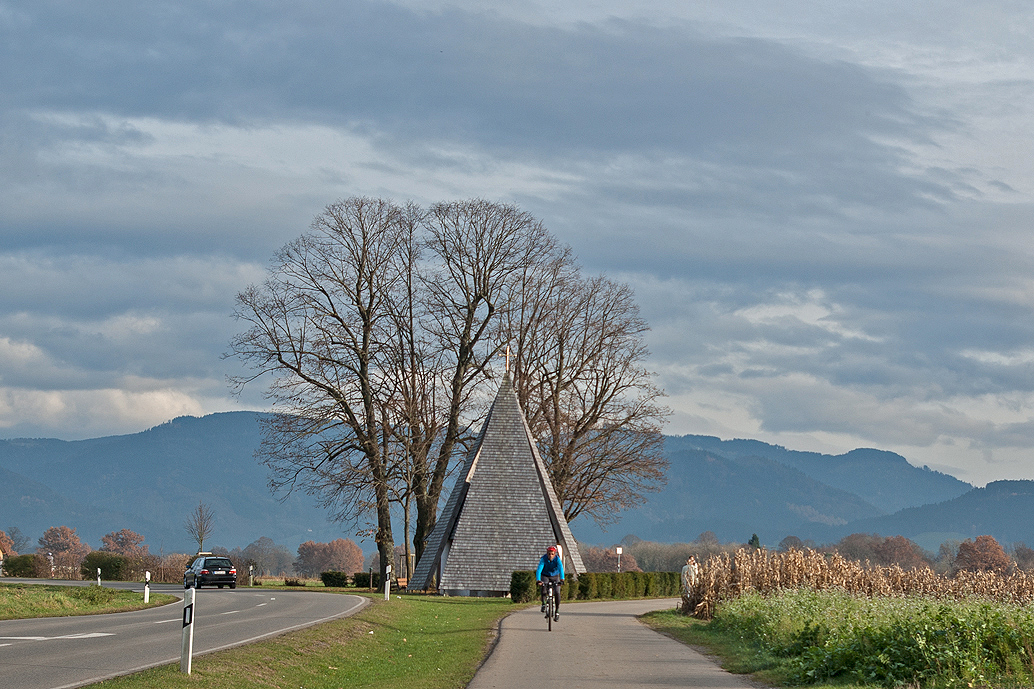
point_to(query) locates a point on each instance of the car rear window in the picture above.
(220, 563)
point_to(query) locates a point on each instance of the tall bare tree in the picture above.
(378, 330)
(322, 327)
(580, 376)
(200, 524)
(478, 251)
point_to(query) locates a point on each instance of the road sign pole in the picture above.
(188, 630)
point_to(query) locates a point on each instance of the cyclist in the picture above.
(550, 573)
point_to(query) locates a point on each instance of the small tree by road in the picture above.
(200, 524)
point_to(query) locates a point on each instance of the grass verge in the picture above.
(23, 601)
(731, 652)
(412, 641)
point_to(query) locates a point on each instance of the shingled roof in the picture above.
(502, 513)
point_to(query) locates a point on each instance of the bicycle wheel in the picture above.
(549, 610)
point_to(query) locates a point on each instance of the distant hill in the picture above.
(884, 479)
(150, 481)
(1003, 509)
(734, 497)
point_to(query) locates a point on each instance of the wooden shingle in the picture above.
(502, 513)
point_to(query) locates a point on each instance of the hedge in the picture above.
(600, 585)
(336, 579)
(113, 567)
(20, 566)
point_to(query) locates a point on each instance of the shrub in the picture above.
(288, 581)
(587, 586)
(604, 585)
(114, 567)
(21, 566)
(334, 579)
(522, 586)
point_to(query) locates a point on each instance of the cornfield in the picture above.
(723, 577)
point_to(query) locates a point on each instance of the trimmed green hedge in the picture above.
(336, 579)
(20, 565)
(600, 585)
(113, 567)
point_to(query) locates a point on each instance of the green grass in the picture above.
(411, 641)
(22, 601)
(833, 639)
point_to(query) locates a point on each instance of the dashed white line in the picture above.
(230, 612)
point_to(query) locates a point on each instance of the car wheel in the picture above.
(185, 584)
(220, 585)
(233, 586)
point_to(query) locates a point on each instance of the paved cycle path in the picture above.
(596, 646)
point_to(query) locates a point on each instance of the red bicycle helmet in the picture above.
(551, 549)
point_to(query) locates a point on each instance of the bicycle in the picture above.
(550, 604)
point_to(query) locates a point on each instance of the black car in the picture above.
(210, 571)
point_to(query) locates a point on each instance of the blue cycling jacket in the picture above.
(550, 568)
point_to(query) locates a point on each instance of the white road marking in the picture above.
(260, 605)
(174, 619)
(92, 635)
(231, 612)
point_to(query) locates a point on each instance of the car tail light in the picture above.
(205, 571)
(233, 571)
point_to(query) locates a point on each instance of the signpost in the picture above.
(188, 630)
(618, 548)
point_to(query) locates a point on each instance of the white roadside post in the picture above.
(147, 587)
(188, 630)
(387, 582)
(618, 548)
(98, 576)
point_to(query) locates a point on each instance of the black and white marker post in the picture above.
(147, 587)
(387, 581)
(188, 630)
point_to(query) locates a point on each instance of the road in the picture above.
(65, 652)
(596, 646)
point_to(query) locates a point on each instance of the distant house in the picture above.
(502, 513)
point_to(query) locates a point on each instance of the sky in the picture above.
(824, 208)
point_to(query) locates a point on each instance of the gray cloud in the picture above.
(814, 228)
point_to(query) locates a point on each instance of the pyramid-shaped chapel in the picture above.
(502, 513)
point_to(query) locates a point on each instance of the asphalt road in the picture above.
(65, 652)
(596, 646)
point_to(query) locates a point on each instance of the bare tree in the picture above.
(200, 524)
(19, 541)
(378, 330)
(580, 377)
(322, 326)
(478, 252)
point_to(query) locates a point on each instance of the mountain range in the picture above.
(150, 481)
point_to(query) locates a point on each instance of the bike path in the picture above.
(596, 646)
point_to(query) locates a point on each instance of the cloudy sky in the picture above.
(825, 208)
